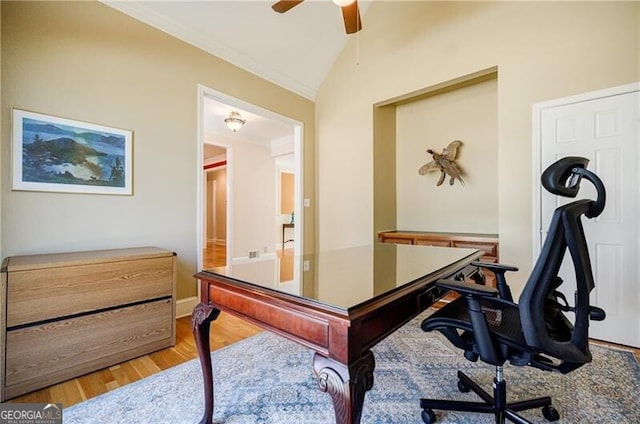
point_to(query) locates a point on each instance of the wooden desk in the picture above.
(340, 334)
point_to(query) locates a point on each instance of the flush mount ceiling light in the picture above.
(234, 121)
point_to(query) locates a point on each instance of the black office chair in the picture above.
(487, 324)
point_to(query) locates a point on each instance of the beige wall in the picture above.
(541, 50)
(468, 114)
(86, 61)
(1, 135)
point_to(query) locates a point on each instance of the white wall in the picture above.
(542, 50)
(254, 199)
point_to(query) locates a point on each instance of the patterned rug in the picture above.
(269, 380)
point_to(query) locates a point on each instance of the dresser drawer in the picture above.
(41, 355)
(63, 315)
(42, 294)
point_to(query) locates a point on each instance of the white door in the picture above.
(603, 127)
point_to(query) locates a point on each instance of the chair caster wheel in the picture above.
(428, 416)
(463, 387)
(550, 413)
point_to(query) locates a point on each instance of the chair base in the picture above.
(496, 404)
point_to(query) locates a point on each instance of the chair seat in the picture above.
(503, 319)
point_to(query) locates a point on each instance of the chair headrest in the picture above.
(563, 178)
(560, 177)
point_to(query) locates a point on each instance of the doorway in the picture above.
(253, 158)
(215, 207)
(603, 127)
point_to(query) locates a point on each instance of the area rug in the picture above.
(269, 380)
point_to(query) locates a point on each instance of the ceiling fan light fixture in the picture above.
(343, 3)
(234, 121)
(350, 12)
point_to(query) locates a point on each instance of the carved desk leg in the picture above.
(201, 318)
(346, 385)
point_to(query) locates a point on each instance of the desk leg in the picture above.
(347, 385)
(201, 319)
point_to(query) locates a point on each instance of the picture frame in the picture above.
(63, 155)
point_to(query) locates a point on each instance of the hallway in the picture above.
(215, 256)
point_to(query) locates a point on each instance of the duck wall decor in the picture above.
(444, 162)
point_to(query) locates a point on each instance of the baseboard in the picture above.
(185, 306)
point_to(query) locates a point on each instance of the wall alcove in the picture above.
(404, 127)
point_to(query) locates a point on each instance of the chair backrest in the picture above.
(545, 325)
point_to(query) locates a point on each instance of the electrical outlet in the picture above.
(307, 202)
(305, 265)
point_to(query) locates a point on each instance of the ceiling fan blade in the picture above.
(351, 16)
(285, 5)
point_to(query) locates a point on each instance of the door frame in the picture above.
(537, 144)
(297, 126)
(212, 203)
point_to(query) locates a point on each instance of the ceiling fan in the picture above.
(350, 12)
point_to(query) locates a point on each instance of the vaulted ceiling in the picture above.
(294, 50)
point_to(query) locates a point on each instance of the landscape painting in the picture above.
(56, 154)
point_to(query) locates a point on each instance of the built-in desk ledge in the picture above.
(487, 243)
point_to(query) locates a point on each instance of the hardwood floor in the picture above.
(285, 256)
(214, 255)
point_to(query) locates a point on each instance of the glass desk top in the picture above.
(348, 277)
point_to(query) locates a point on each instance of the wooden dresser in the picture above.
(64, 315)
(487, 243)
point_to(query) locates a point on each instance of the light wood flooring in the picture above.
(214, 256)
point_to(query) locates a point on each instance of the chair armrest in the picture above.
(495, 267)
(468, 289)
(499, 270)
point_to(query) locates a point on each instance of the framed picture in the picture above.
(56, 154)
